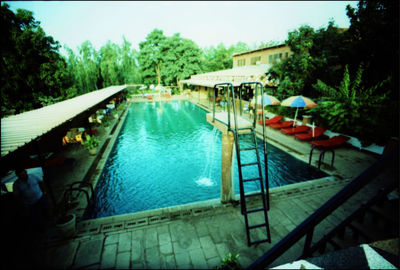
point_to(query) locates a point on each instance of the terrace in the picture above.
(196, 235)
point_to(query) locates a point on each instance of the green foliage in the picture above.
(230, 262)
(90, 142)
(166, 60)
(373, 38)
(347, 108)
(30, 64)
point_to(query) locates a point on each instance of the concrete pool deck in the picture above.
(196, 235)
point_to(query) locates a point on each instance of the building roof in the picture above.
(18, 130)
(235, 76)
(259, 50)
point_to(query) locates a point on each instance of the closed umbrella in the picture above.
(298, 102)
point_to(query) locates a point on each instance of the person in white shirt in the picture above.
(29, 188)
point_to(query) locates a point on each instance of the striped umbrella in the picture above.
(298, 102)
(268, 100)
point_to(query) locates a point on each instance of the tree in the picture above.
(373, 38)
(218, 58)
(151, 56)
(347, 108)
(182, 59)
(33, 72)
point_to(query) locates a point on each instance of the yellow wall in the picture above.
(263, 54)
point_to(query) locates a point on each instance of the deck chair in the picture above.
(295, 130)
(284, 124)
(327, 145)
(333, 142)
(273, 120)
(318, 131)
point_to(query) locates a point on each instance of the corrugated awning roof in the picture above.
(18, 130)
(234, 75)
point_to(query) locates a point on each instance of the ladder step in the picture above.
(249, 164)
(246, 149)
(254, 194)
(257, 226)
(245, 133)
(254, 210)
(251, 179)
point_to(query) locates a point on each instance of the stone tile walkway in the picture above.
(194, 241)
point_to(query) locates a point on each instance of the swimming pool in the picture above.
(167, 154)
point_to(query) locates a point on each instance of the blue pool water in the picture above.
(167, 154)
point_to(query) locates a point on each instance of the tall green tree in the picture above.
(217, 58)
(151, 56)
(32, 71)
(182, 59)
(373, 38)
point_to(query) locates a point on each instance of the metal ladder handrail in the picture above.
(263, 129)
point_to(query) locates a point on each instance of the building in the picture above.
(268, 55)
(247, 66)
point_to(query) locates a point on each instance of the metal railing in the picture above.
(306, 228)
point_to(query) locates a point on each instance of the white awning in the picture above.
(18, 130)
(234, 75)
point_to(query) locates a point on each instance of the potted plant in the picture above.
(106, 123)
(65, 222)
(91, 143)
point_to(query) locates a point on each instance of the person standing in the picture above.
(29, 188)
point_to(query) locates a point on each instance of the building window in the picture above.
(241, 62)
(270, 58)
(254, 60)
(287, 55)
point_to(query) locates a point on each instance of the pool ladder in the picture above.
(238, 134)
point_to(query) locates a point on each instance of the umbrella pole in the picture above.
(295, 117)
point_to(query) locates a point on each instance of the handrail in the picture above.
(308, 225)
(264, 132)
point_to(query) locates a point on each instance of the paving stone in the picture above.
(152, 258)
(198, 259)
(222, 249)
(163, 229)
(150, 238)
(124, 242)
(168, 262)
(137, 265)
(108, 257)
(88, 253)
(166, 248)
(137, 234)
(164, 238)
(185, 244)
(123, 260)
(183, 260)
(201, 228)
(61, 257)
(137, 250)
(208, 247)
(214, 262)
(111, 239)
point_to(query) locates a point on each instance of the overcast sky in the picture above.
(206, 23)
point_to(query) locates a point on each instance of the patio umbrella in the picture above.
(298, 102)
(267, 99)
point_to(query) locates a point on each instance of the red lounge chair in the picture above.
(294, 130)
(284, 124)
(318, 131)
(333, 142)
(273, 120)
(327, 145)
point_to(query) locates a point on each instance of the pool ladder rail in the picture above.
(238, 134)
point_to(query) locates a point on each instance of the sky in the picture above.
(207, 23)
